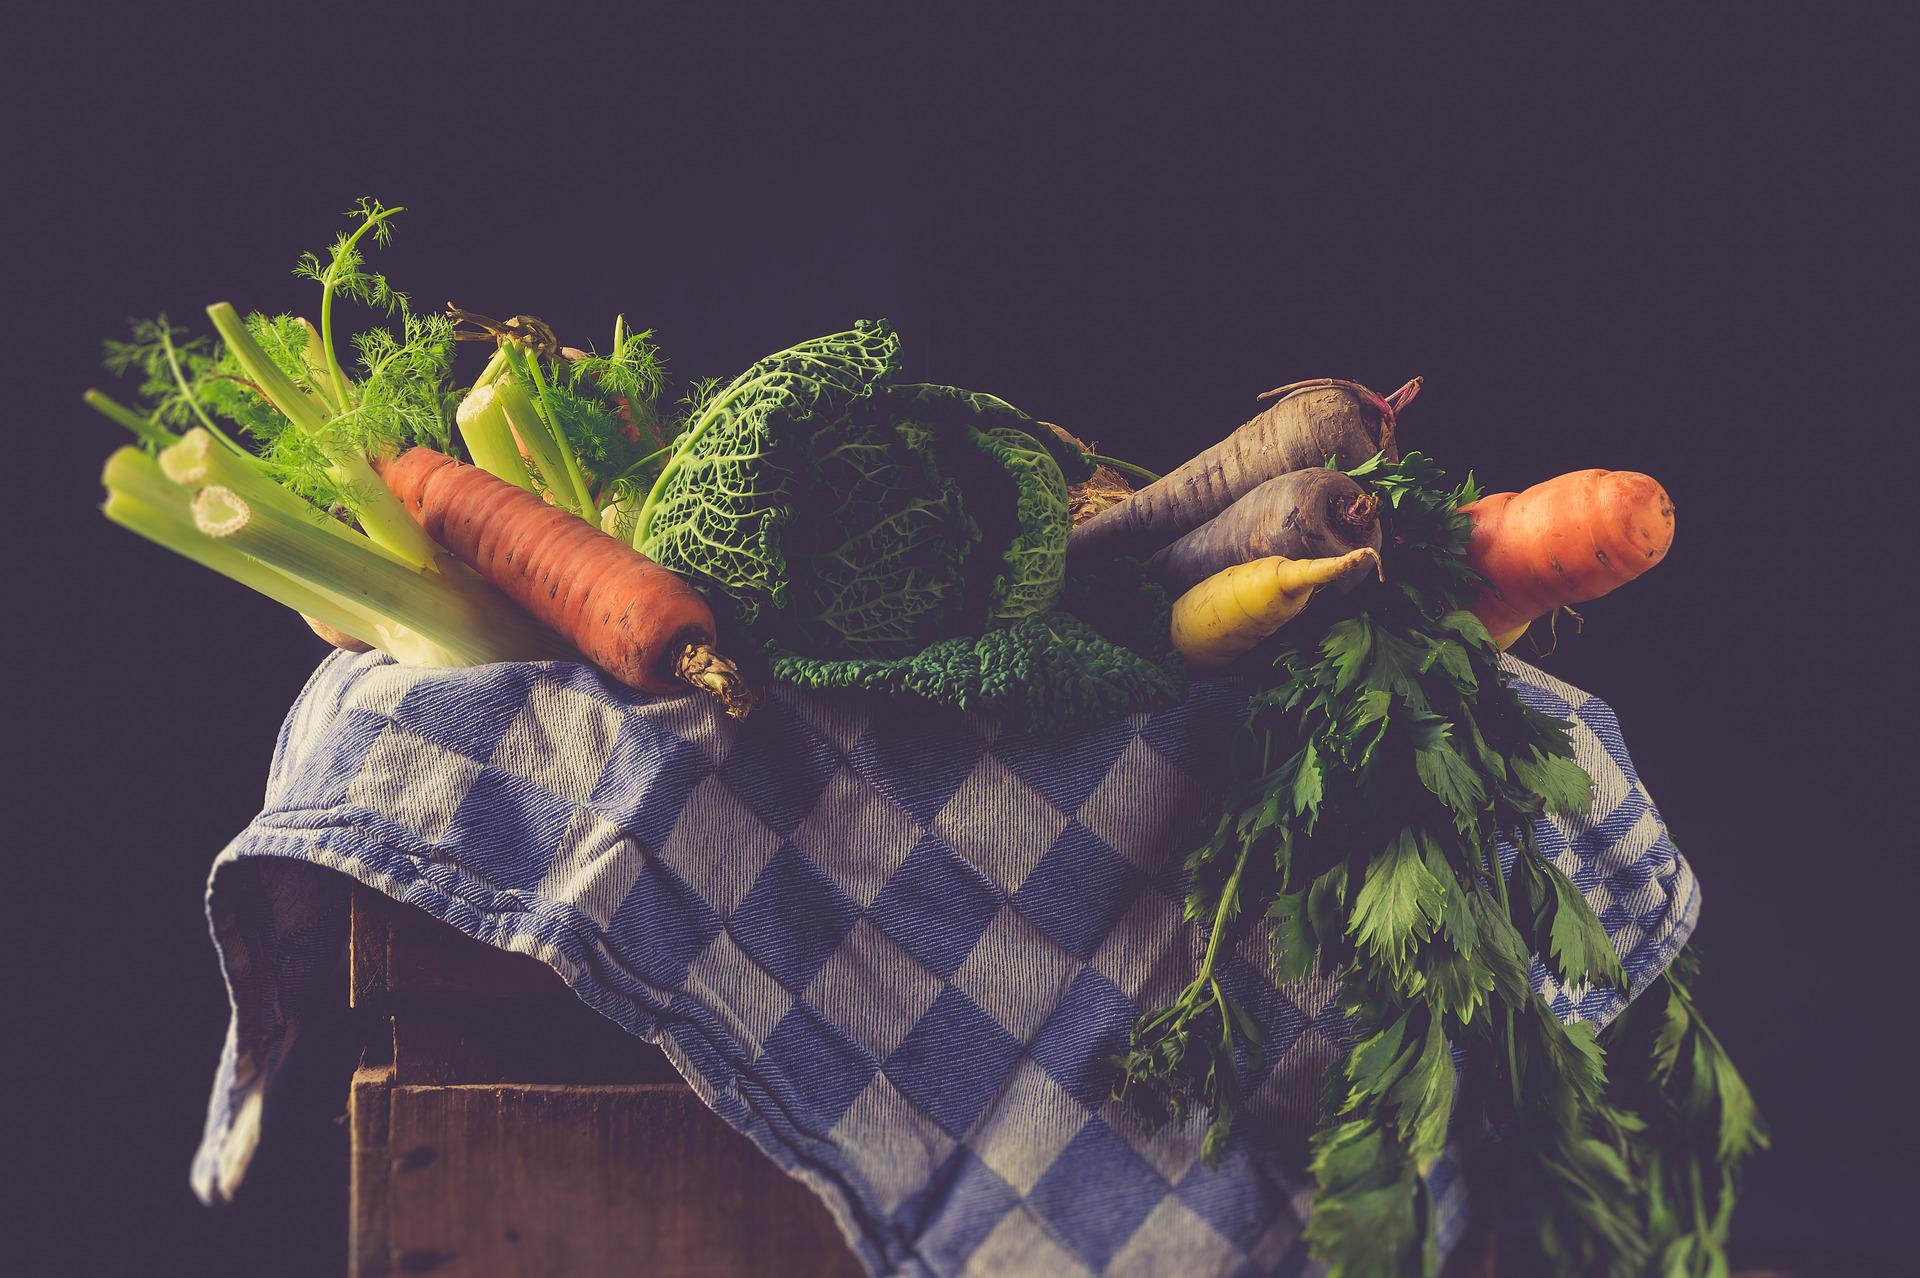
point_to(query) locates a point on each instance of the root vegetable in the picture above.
(1222, 618)
(1564, 541)
(642, 624)
(1305, 514)
(1306, 424)
(336, 636)
(1096, 492)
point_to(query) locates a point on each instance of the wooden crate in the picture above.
(500, 1127)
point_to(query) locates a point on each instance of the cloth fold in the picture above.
(895, 947)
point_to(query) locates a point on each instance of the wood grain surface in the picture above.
(501, 1127)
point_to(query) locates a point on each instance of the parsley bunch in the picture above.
(1386, 758)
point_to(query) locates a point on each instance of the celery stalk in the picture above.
(146, 429)
(144, 501)
(482, 419)
(441, 619)
(543, 438)
(378, 511)
(195, 463)
(294, 404)
(466, 619)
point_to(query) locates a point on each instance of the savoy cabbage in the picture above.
(900, 537)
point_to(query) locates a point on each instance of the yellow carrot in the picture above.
(1222, 618)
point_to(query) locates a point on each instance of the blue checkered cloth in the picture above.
(894, 946)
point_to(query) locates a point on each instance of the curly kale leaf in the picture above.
(719, 508)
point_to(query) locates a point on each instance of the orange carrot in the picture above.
(1567, 540)
(641, 623)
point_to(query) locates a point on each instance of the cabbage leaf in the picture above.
(907, 538)
(719, 506)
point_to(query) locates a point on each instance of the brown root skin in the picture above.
(1304, 425)
(1304, 514)
(335, 636)
(1105, 487)
(1389, 407)
(713, 674)
(1363, 513)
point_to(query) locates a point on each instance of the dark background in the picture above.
(1681, 245)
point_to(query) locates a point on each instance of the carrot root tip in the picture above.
(712, 673)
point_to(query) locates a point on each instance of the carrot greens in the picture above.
(266, 517)
(1385, 755)
(576, 425)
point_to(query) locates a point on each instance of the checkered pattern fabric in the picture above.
(894, 946)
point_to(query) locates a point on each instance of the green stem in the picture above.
(575, 476)
(1231, 892)
(648, 460)
(380, 514)
(145, 429)
(488, 435)
(1125, 467)
(1228, 895)
(541, 438)
(289, 399)
(195, 463)
(496, 365)
(326, 299)
(1492, 862)
(144, 501)
(378, 510)
(470, 626)
(1700, 1225)
(316, 352)
(186, 390)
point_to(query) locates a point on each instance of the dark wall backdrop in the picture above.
(1673, 244)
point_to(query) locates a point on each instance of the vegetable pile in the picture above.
(818, 522)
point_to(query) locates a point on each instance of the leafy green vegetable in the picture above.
(1697, 1124)
(878, 548)
(264, 519)
(1405, 758)
(1102, 653)
(897, 537)
(847, 516)
(1034, 562)
(721, 505)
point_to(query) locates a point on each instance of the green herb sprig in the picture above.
(1386, 761)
